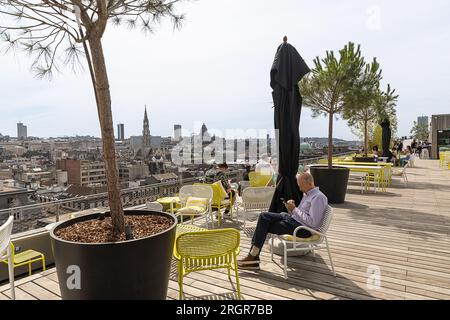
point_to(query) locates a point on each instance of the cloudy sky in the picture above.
(216, 68)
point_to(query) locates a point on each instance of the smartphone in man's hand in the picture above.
(288, 204)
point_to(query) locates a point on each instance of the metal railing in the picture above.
(37, 215)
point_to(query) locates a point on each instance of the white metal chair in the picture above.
(411, 160)
(401, 172)
(424, 154)
(317, 241)
(5, 251)
(256, 199)
(360, 177)
(197, 191)
(154, 206)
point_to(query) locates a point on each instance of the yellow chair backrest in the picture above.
(219, 193)
(259, 180)
(208, 244)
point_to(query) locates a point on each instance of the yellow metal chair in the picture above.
(258, 179)
(26, 257)
(441, 159)
(207, 250)
(218, 201)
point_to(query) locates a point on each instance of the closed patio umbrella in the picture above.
(386, 136)
(287, 70)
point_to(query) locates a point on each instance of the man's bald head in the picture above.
(305, 181)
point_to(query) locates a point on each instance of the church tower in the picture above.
(146, 131)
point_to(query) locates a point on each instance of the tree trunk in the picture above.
(330, 141)
(107, 130)
(365, 139)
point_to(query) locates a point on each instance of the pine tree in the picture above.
(325, 89)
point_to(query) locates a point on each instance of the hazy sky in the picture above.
(216, 68)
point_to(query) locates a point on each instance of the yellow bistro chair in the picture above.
(26, 257)
(441, 159)
(218, 200)
(259, 180)
(207, 250)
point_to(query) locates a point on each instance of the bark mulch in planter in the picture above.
(100, 231)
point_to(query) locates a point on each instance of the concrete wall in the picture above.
(438, 122)
(38, 240)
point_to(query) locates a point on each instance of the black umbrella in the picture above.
(386, 136)
(287, 70)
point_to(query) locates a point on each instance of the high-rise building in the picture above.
(204, 130)
(146, 131)
(121, 132)
(423, 120)
(177, 132)
(21, 131)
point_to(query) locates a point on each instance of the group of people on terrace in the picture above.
(399, 155)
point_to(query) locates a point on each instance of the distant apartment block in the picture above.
(36, 178)
(83, 172)
(133, 172)
(121, 132)
(13, 196)
(21, 131)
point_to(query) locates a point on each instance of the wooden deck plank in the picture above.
(38, 292)
(20, 281)
(21, 295)
(49, 285)
(3, 297)
(264, 283)
(52, 276)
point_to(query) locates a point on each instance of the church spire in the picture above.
(145, 114)
(146, 131)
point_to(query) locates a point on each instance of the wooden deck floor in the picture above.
(404, 233)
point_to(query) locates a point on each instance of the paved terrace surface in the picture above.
(404, 232)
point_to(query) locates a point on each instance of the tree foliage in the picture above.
(366, 105)
(52, 31)
(375, 137)
(325, 88)
(420, 131)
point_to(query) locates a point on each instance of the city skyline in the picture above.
(204, 76)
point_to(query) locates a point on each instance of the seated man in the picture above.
(309, 213)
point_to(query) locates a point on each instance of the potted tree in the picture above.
(325, 91)
(361, 108)
(116, 255)
(366, 106)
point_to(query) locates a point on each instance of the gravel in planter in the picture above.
(100, 231)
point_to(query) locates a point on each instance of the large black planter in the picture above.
(133, 269)
(332, 182)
